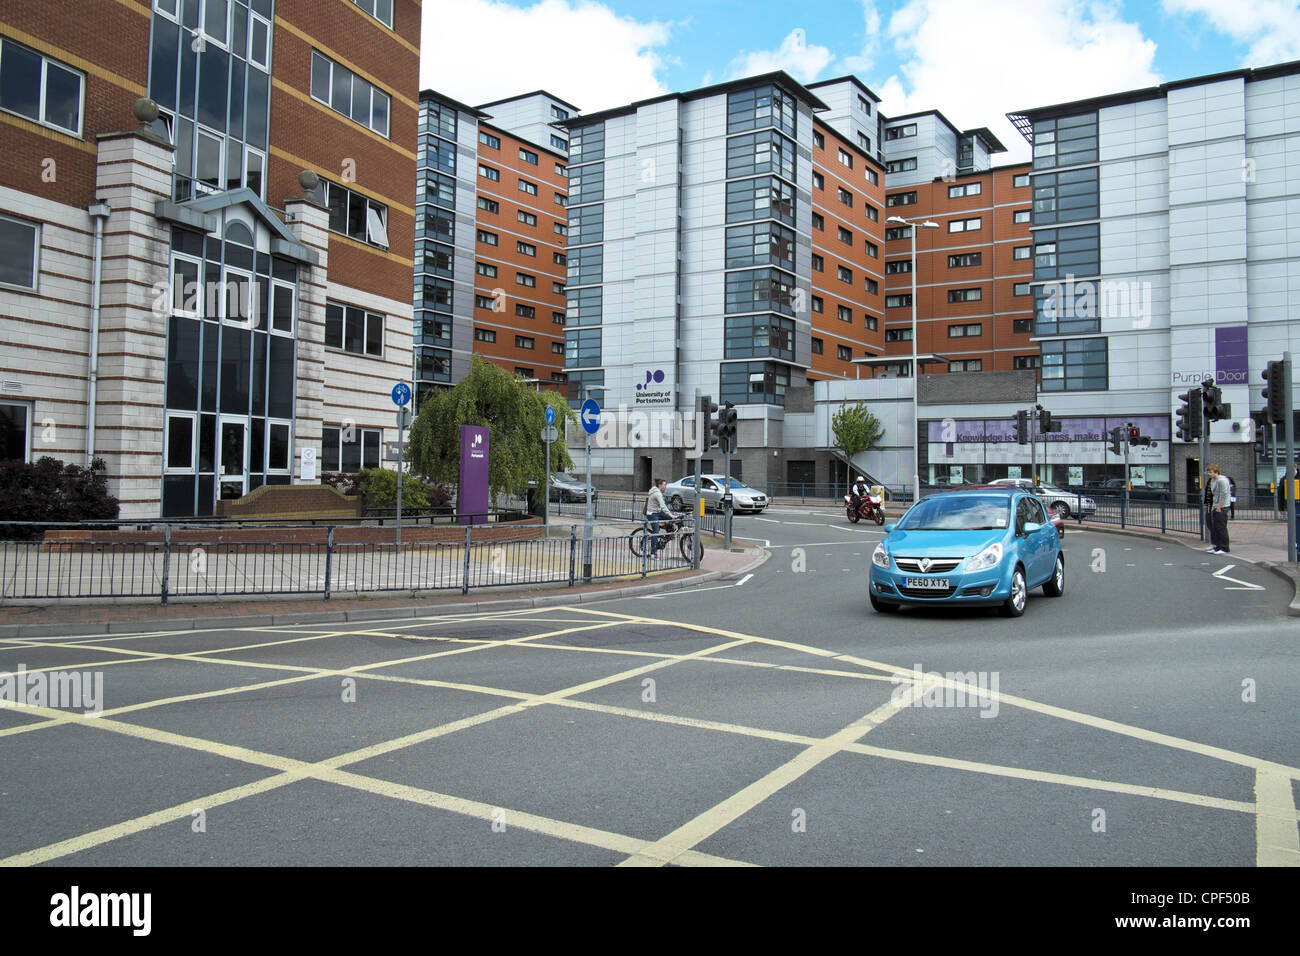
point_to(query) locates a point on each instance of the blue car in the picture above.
(988, 545)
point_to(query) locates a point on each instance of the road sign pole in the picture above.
(590, 418)
(1289, 424)
(701, 437)
(546, 501)
(401, 395)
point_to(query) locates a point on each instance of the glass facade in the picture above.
(435, 249)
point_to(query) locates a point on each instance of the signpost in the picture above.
(401, 397)
(590, 418)
(549, 434)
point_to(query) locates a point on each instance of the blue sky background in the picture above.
(973, 59)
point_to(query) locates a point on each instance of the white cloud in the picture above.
(1271, 27)
(865, 59)
(477, 51)
(976, 68)
(794, 55)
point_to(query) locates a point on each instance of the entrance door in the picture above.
(233, 450)
(1194, 481)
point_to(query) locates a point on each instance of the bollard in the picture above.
(329, 559)
(464, 587)
(167, 559)
(573, 552)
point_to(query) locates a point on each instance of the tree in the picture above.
(49, 490)
(856, 430)
(514, 415)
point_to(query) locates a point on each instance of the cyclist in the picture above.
(656, 510)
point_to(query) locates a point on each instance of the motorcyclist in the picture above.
(859, 491)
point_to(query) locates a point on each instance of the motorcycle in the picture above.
(871, 507)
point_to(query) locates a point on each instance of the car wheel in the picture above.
(676, 502)
(1063, 510)
(1014, 605)
(883, 607)
(1055, 585)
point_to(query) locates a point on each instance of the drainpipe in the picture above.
(99, 213)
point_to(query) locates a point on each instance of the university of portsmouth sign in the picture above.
(472, 493)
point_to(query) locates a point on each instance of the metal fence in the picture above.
(159, 567)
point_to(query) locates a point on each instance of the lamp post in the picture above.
(916, 410)
(587, 525)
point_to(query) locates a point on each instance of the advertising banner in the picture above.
(472, 494)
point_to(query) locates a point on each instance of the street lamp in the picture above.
(587, 525)
(916, 411)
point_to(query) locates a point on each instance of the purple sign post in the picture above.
(472, 493)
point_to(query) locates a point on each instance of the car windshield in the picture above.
(734, 484)
(563, 476)
(958, 513)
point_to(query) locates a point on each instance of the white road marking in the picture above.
(1222, 575)
(768, 520)
(684, 591)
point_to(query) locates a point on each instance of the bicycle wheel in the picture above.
(687, 545)
(636, 541)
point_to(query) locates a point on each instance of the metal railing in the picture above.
(159, 566)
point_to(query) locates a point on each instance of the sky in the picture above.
(974, 60)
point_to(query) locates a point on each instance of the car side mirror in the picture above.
(1031, 527)
(890, 527)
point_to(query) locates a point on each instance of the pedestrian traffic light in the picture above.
(710, 410)
(1022, 427)
(1189, 416)
(1117, 440)
(728, 427)
(1275, 393)
(1260, 418)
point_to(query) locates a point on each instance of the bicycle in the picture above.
(639, 539)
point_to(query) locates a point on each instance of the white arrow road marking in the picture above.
(1222, 575)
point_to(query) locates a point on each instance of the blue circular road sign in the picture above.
(590, 416)
(401, 394)
(550, 415)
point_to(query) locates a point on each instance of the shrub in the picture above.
(380, 490)
(49, 490)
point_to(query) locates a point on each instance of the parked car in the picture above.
(565, 487)
(1064, 503)
(987, 545)
(681, 493)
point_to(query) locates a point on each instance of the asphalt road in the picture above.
(1144, 718)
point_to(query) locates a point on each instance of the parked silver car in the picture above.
(565, 487)
(1064, 503)
(680, 494)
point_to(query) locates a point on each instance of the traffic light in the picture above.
(1022, 427)
(1260, 418)
(1216, 410)
(1117, 439)
(1134, 435)
(1189, 416)
(1275, 393)
(728, 427)
(710, 409)
(1045, 423)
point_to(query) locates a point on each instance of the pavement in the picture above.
(90, 616)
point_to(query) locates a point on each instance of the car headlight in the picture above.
(880, 557)
(988, 558)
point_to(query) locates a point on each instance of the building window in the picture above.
(488, 172)
(759, 336)
(819, 181)
(967, 365)
(582, 307)
(484, 269)
(349, 457)
(1069, 196)
(818, 263)
(557, 348)
(586, 265)
(966, 189)
(965, 295)
(354, 330)
(527, 218)
(528, 156)
(759, 290)
(873, 214)
(523, 342)
(900, 132)
(865, 142)
(561, 229)
(872, 286)
(560, 169)
(559, 259)
(872, 250)
(818, 222)
(863, 104)
(559, 114)
(381, 10)
(488, 205)
(901, 165)
(817, 346)
(897, 301)
(557, 318)
(587, 143)
(871, 322)
(1027, 361)
(355, 215)
(819, 141)
(965, 331)
(901, 199)
(488, 140)
(895, 232)
(818, 305)
(487, 238)
(1022, 326)
(898, 335)
(1020, 252)
(844, 353)
(20, 244)
(485, 335)
(753, 383)
(964, 225)
(40, 89)
(1021, 288)
(760, 199)
(587, 184)
(560, 144)
(557, 287)
(763, 152)
(525, 311)
(846, 197)
(1020, 215)
(965, 259)
(582, 348)
(524, 279)
(1074, 365)
(898, 266)
(561, 199)
(526, 187)
(344, 92)
(1020, 180)
(846, 236)
(845, 314)
(846, 158)
(1065, 141)
(759, 244)
(15, 438)
(759, 107)
(491, 303)
(845, 274)
(873, 177)
(526, 249)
